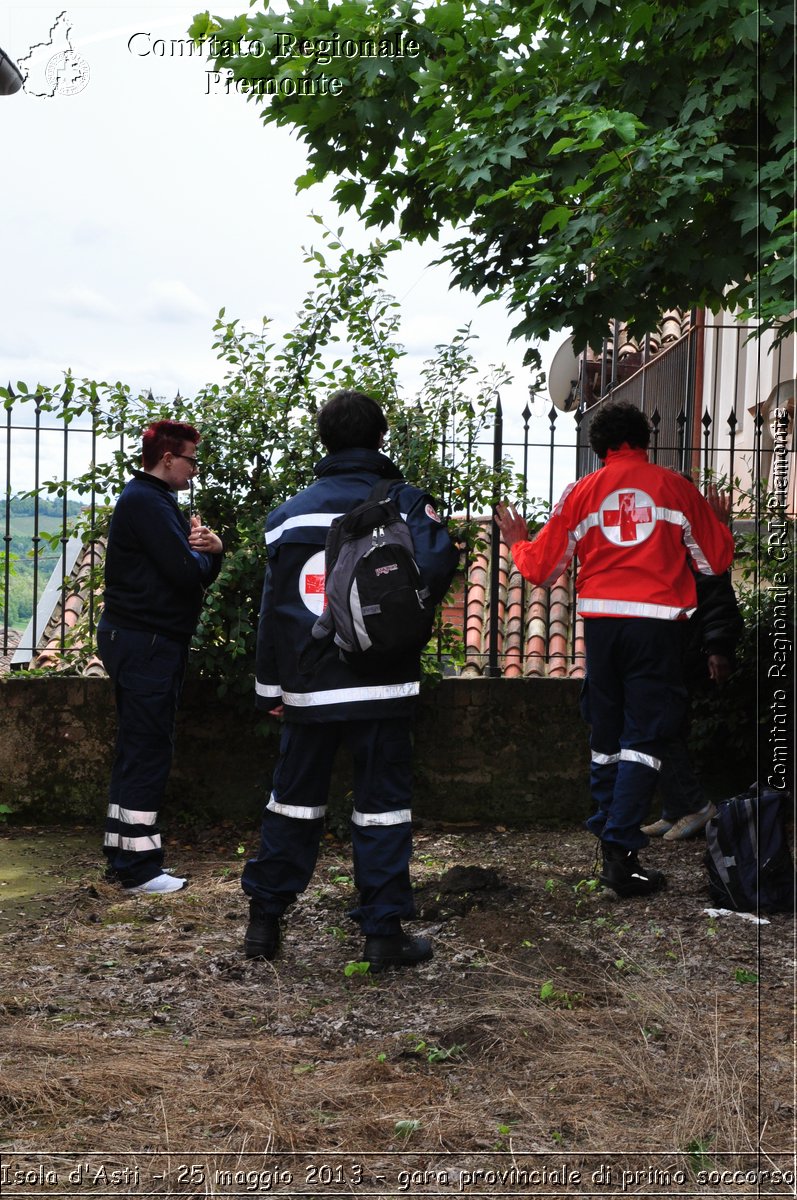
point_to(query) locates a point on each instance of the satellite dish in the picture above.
(563, 378)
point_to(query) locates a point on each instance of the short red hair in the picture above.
(165, 436)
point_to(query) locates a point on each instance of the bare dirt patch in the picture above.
(555, 1021)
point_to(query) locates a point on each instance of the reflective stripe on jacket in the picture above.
(293, 595)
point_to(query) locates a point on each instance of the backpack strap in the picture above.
(381, 490)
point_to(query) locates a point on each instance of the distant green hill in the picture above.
(22, 528)
(17, 574)
(25, 506)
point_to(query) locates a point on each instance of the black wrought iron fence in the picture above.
(39, 551)
(40, 558)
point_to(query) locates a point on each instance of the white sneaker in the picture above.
(691, 824)
(160, 884)
(658, 828)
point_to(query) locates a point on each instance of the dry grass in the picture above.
(552, 1021)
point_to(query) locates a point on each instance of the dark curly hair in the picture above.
(616, 424)
(350, 419)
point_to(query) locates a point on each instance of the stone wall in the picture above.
(512, 751)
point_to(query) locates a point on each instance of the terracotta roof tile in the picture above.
(65, 618)
(11, 641)
(535, 625)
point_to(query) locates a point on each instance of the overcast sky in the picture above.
(136, 205)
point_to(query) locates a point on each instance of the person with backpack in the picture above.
(712, 633)
(634, 527)
(328, 692)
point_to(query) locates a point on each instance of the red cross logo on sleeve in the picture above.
(627, 517)
(311, 583)
(314, 586)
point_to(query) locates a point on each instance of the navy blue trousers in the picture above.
(679, 787)
(293, 819)
(147, 673)
(635, 701)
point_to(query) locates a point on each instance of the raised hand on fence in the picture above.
(720, 503)
(511, 525)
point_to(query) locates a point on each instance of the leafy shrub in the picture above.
(258, 435)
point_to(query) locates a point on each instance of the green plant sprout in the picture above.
(558, 997)
(406, 1128)
(743, 976)
(356, 968)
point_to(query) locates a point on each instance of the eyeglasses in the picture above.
(193, 461)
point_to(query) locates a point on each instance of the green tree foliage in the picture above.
(597, 159)
(16, 612)
(258, 434)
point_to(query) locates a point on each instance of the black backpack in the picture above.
(377, 609)
(749, 865)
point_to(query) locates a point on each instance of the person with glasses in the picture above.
(158, 563)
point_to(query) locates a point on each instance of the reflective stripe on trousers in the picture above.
(634, 700)
(381, 821)
(147, 673)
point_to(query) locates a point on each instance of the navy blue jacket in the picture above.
(154, 581)
(715, 627)
(293, 595)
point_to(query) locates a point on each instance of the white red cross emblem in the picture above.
(627, 517)
(311, 583)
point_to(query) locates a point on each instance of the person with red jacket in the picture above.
(634, 528)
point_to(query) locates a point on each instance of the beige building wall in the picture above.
(748, 375)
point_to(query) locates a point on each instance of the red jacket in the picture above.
(633, 526)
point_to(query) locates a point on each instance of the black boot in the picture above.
(262, 938)
(395, 950)
(623, 874)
